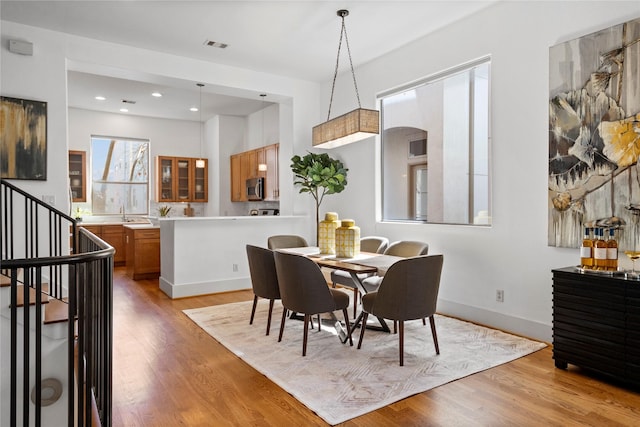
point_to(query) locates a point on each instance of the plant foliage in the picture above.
(319, 175)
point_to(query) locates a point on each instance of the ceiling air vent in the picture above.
(215, 44)
(127, 101)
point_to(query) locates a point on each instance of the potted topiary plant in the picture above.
(318, 175)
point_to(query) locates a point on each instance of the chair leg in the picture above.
(395, 326)
(346, 322)
(363, 326)
(355, 301)
(401, 333)
(307, 319)
(253, 310)
(424, 321)
(319, 324)
(284, 317)
(433, 332)
(269, 317)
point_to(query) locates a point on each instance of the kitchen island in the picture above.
(204, 255)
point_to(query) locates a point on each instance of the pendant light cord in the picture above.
(342, 14)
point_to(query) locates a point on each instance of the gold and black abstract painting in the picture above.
(23, 139)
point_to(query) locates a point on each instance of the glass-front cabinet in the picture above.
(200, 181)
(166, 172)
(78, 175)
(184, 182)
(180, 180)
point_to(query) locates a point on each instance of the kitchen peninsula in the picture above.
(204, 255)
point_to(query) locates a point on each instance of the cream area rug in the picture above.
(339, 382)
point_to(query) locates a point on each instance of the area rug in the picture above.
(339, 382)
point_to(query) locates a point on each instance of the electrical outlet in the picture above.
(500, 295)
(235, 268)
(49, 200)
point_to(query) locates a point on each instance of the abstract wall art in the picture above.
(594, 133)
(23, 139)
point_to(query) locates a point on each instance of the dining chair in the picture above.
(400, 248)
(371, 244)
(409, 291)
(303, 289)
(264, 280)
(284, 241)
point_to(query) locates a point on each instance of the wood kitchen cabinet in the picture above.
(113, 234)
(271, 179)
(245, 165)
(237, 183)
(178, 179)
(78, 176)
(143, 251)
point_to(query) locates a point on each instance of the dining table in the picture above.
(363, 263)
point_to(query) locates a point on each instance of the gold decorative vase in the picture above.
(347, 239)
(327, 233)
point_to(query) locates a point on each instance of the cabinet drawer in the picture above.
(147, 234)
(111, 229)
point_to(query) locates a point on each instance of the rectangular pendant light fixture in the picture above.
(351, 127)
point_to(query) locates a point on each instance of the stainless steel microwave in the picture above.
(255, 187)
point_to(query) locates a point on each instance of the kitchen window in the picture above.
(436, 148)
(119, 176)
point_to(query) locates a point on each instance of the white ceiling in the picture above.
(291, 38)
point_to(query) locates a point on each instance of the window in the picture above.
(119, 176)
(435, 149)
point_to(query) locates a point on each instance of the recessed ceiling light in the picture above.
(215, 44)
(194, 109)
(100, 98)
(157, 94)
(124, 110)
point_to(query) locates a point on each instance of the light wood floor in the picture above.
(168, 372)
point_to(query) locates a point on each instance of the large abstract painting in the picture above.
(23, 139)
(594, 133)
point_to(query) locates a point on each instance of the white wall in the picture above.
(512, 254)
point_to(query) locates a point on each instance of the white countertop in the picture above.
(140, 226)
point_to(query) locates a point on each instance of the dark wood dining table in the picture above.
(365, 262)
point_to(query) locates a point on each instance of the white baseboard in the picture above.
(515, 325)
(191, 289)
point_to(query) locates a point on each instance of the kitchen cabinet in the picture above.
(245, 165)
(178, 179)
(113, 234)
(271, 183)
(78, 175)
(143, 251)
(237, 183)
(595, 324)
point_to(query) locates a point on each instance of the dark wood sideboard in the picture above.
(596, 323)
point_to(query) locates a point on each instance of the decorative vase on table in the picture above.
(347, 239)
(327, 233)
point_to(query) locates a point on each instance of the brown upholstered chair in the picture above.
(409, 291)
(286, 241)
(372, 244)
(264, 279)
(401, 248)
(303, 289)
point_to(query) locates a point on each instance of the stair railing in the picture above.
(42, 245)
